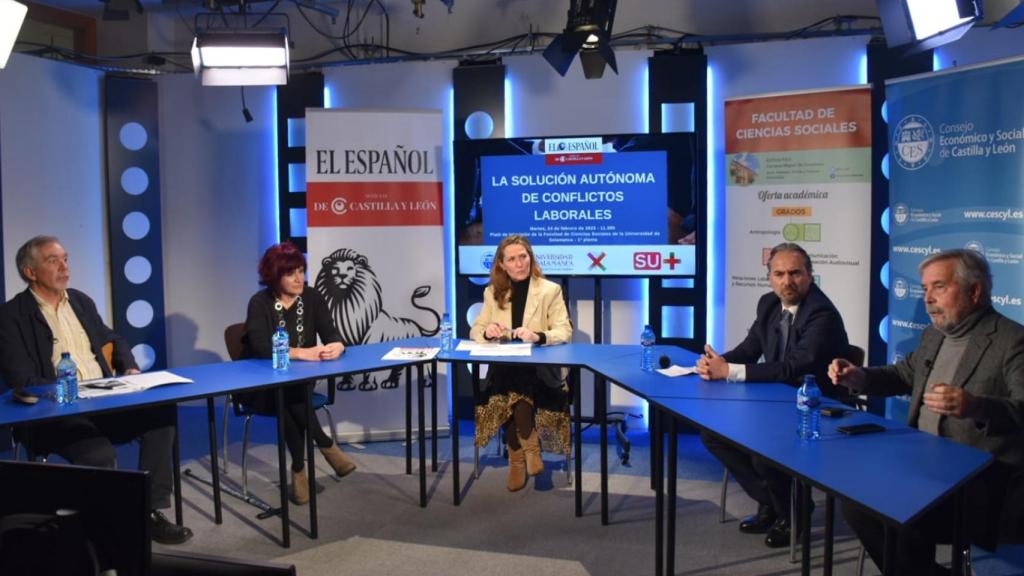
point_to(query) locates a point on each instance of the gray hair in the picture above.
(971, 270)
(790, 247)
(26, 256)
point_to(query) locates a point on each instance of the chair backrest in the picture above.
(233, 335)
(855, 354)
(108, 355)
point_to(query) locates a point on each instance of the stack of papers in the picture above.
(128, 384)
(674, 370)
(495, 348)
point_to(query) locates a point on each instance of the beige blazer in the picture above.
(544, 312)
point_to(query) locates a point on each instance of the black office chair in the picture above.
(233, 340)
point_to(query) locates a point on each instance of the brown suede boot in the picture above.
(531, 448)
(300, 487)
(339, 461)
(516, 470)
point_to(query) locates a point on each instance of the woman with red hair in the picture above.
(287, 302)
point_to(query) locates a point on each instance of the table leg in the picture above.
(601, 413)
(408, 420)
(889, 551)
(577, 440)
(176, 471)
(830, 520)
(310, 463)
(805, 521)
(959, 532)
(659, 496)
(673, 465)
(211, 426)
(282, 474)
(421, 430)
(433, 417)
(455, 435)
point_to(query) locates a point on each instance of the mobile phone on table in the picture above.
(834, 412)
(866, 428)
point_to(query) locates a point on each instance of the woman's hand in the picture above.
(494, 331)
(525, 334)
(306, 354)
(331, 351)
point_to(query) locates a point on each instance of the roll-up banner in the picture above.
(376, 246)
(956, 163)
(798, 169)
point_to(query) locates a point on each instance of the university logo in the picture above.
(900, 289)
(913, 142)
(900, 213)
(976, 246)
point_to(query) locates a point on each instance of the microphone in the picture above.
(664, 361)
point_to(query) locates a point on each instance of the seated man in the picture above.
(966, 383)
(49, 318)
(797, 331)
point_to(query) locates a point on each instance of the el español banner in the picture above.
(376, 246)
(798, 169)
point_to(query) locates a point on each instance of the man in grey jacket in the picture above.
(966, 383)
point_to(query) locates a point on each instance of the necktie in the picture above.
(784, 324)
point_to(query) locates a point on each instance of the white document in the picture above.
(502, 350)
(673, 371)
(411, 354)
(128, 384)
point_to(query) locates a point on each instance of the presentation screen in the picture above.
(613, 205)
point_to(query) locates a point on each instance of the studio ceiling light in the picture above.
(12, 14)
(588, 31)
(241, 57)
(926, 24)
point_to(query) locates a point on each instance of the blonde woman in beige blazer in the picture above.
(530, 403)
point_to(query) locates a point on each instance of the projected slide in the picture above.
(620, 205)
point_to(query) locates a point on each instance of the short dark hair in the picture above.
(790, 247)
(278, 261)
(26, 256)
(972, 269)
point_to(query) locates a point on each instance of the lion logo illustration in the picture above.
(353, 296)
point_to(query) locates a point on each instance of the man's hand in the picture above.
(711, 366)
(842, 372)
(951, 401)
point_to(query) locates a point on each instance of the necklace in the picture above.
(279, 308)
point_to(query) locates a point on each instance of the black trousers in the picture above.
(90, 441)
(295, 422)
(915, 549)
(767, 485)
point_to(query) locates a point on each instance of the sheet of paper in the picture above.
(502, 350)
(128, 384)
(411, 354)
(674, 371)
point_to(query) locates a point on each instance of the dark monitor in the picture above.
(96, 515)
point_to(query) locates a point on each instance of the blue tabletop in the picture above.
(929, 468)
(215, 379)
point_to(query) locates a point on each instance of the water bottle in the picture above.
(647, 349)
(67, 379)
(808, 409)
(279, 345)
(446, 333)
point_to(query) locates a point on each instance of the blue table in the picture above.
(221, 378)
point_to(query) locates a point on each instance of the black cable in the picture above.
(245, 109)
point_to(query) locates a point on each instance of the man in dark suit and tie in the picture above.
(966, 383)
(797, 331)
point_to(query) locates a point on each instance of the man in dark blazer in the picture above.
(966, 383)
(797, 331)
(49, 318)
